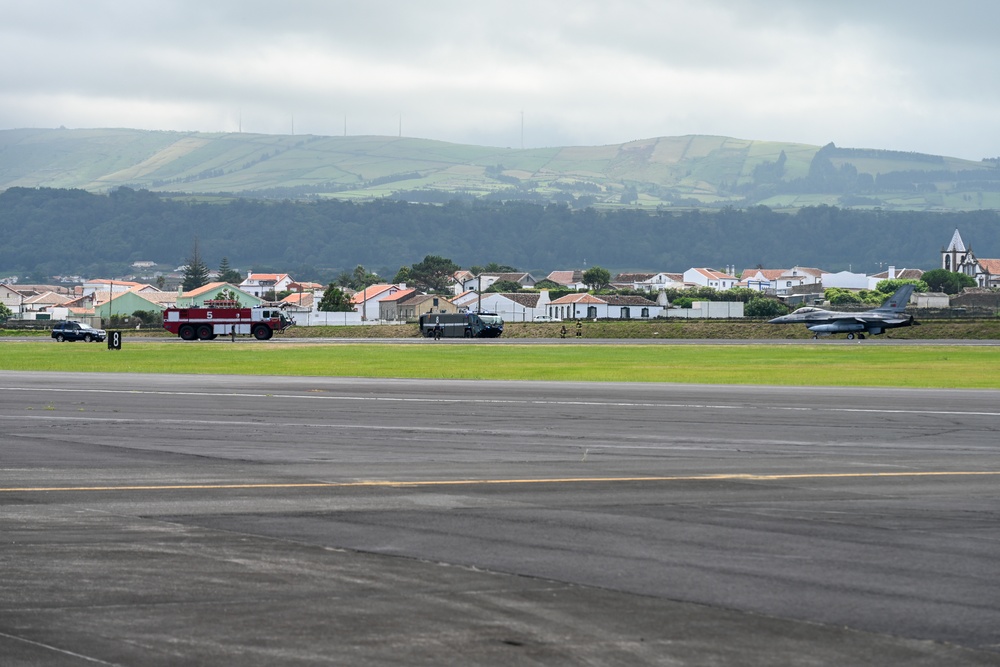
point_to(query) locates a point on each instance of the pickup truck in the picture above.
(70, 331)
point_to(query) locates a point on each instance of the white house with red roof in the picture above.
(484, 281)
(301, 300)
(12, 298)
(458, 280)
(892, 273)
(710, 278)
(780, 281)
(211, 291)
(572, 279)
(389, 309)
(760, 280)
(259, 284)
(611, 306)
(511, 306)
(107, 285)
(367, 300)
(650, 282)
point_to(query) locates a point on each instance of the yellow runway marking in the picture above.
(475, 482)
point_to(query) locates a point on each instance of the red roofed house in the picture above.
(511, 306)
(612, 306)
(260, 284)
(650, 282)
(761, 280)
(390, 308)
(106, 285)
(415, 305)
(303, 300)
(575, 306)
(895, 274)
(366, 301)
(780, 281)
(710, 278)
(572, 279)
(211, 291)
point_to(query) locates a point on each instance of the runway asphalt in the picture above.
(164, 520)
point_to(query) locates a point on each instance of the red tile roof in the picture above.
(577, 298)
(716, 275)
(371, 292)
(399, 296)
(198, 291)
(991, 265)
(770, 274)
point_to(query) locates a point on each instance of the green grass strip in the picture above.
(802, 365)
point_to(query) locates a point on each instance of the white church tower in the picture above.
(953, 257)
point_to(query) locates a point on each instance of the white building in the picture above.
(591, 307)
(710, 278)
(512, 306)
(845, 280)
(260, 284)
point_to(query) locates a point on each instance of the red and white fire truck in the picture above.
(225, 318)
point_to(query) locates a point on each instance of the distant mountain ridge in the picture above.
(665, 172)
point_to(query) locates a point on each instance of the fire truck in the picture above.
(225, 318)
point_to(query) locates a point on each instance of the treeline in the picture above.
(56, 232)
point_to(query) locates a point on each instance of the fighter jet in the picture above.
(825, 322)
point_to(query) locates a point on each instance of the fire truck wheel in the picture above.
(261, 332)
(186, 332)
(204, 332)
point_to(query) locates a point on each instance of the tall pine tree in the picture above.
(228, 274)
(196, 272)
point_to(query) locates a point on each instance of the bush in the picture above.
(682, 302)
(764, 307)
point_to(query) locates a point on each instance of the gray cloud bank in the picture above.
(913, 75)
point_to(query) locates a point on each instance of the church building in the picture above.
(959, 258)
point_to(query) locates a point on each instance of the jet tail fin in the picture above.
(898, 301)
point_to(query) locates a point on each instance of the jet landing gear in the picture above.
(850, 336)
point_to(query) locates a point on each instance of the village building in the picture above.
(649, 282)
(959, 258)
(704, 277)
(213, 292)
(892, 273)
(592, 307)
(570, 279)
(367, 300)
(259, 284)
(426, 304)
(484, 281)
(391, 308)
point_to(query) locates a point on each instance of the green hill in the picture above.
(681, 172)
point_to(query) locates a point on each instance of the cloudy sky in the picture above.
(915, 75)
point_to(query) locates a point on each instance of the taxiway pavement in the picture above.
(157, 520)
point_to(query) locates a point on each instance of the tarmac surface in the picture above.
(165, 520)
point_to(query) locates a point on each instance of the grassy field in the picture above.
(847, 364)
(972, 329)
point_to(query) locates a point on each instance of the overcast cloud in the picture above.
(914, 75)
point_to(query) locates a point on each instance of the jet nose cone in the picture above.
(777, 320)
